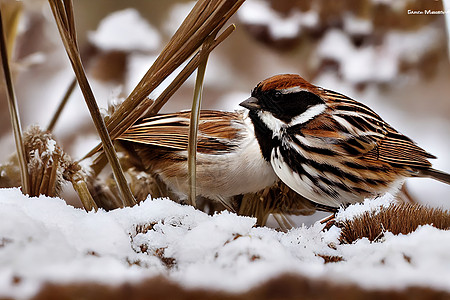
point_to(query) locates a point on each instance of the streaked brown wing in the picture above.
(399, 149)
(353, 129)
(217, 131)
(334, 135)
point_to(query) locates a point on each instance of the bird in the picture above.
(229, 160)
(329, 148)
(231, 170)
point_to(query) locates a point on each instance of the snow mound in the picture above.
(125, 30)
(382, 63)
(260, 13)
(44, 240)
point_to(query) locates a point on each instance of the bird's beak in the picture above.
(251, 103)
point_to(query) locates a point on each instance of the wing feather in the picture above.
(217, 131)
(398, 149)
(350, 128)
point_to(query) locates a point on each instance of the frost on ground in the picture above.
(44, 240)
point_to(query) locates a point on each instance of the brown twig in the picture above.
(14, 113)
(63, 13)
(194, 122)
(186, 72)
(207, 17)
(62, 104)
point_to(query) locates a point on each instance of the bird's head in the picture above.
(285, 100)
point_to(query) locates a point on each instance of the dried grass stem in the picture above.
(14, 113)
(63, 13)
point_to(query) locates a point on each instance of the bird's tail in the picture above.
(436, 174)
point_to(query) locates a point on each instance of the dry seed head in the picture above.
(47, 163)
(398, 218)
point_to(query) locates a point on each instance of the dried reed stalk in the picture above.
(62, 104)
(81, 188)
(194, 123)
(206, 18)
(12, 11)
(194, 62)
(198, 30)
(63, 13)
(14, 112)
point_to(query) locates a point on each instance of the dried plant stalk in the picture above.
(137, 108)
(14, 113)
(63, 13)
(204, 22)
(153, 107)
(194, 123)
(12, 11)
(81, 188)
(206, 18)
(185, 73)
(401, 218)
(62, 104)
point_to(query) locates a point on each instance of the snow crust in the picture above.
(45, 240)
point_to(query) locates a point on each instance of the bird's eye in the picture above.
(277, 95)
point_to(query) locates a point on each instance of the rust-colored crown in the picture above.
(285, 81)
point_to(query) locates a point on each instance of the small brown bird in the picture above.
(329, 148)
(229, 160)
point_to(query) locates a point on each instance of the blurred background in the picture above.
(374, 51)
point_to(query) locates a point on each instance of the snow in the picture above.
(337, 45)
(384, 265)
(412, 46)
(218, 75)
(355, 25)
(368, 205)
(399, 5)
(138, 65)
(125, 30)
(45, 240)
(378, 64)
(178, 13)
(51, 146)
(260, 13)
